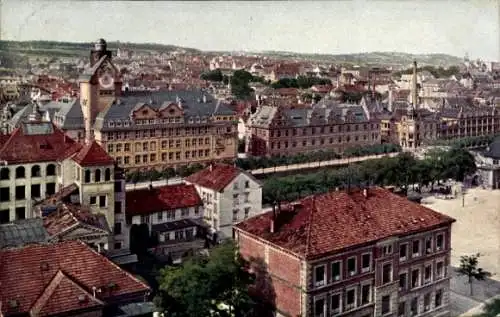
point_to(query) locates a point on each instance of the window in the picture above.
(4, 216)
(427, 302)
(4, 194)
(386, 273)
(118, 228)
(402, 309)
(118, 207)
(51, 170)
(438, 299)
(351, 266)
(20, 172)
(403, 251)
(36, 191)
(365, 294)
(403, 280)
(171, 215)
(366, 262)
(440, 242)
(93, 200)
(87, 176)
(335, 303)
(102, 201)
(247, 184)
(36, 171)
(4, 173)
(159, 216)
(416, 248)
(235, 214)
(20, 213)
(387, 249)
(386, 304)
(319, 308)
(247, 212)
(50, 189)
(428, 274)
(414, 307)
(439, 270)
(185, 212)
(350, 299)
(118, 186)
(415, 278)
(118, 245)
(319, 275)
(428, 245)
(107, 175)
(336, 271)
(20, 193)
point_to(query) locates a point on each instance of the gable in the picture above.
(171, 110)
(81, 231)
(144, 112)
(107, 67)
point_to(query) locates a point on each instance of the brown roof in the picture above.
(327, 223)
(37, 142)
(161, 198)
(48, 277)
(68, 215)
(92, 154)
(216, 176)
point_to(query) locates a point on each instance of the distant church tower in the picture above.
(100, 85)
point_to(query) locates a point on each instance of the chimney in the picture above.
(204, 98)
(211, 167)
(390, 99)
(414, 86)
(365, 192)
(271, 228)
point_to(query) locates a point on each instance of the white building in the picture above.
(230, 195)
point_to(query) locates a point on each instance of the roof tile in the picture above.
(216, 176)
(92, 154)
(323, 224)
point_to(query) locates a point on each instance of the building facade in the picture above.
(174, 216)
(323, 259)
(274, 131)
(229, 194)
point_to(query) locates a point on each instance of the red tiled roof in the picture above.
(68, 215)
(23, 146)
(92, 154)
(331, 222)
(216, 176)
(147, 201)
(39, 271)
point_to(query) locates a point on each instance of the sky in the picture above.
(453, 27)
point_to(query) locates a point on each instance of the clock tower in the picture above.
(100, 84)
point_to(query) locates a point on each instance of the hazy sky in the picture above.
(415, 26)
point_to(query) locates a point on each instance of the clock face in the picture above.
(106, 80)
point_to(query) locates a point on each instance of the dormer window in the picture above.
(126, 124)
(151, 121)
(111, 124)
(118, 123)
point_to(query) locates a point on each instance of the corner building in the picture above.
(359, 253)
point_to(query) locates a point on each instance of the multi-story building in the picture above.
(274, 131)
(143, 130)
(173, 213)
(40, 161)
(229, 194)
(351, 253)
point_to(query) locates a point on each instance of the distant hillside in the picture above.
(385, 58)
(70, 49)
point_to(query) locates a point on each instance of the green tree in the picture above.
(469, 267)
(213, 75)
(491, 309)
(214, 285)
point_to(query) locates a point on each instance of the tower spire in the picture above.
(414, 86)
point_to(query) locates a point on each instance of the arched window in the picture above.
(4, 173)
(20, 172)
(87, 176)
(107, 175)
(98, 175)
(51, 170)
(36, 171)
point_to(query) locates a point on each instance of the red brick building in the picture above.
(358, 253)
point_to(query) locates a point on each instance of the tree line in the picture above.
(301, 82)
(437, 72)
(400, 171)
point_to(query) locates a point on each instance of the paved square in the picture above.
(477, 229)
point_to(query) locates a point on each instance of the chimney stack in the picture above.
(365, 192)
(414, 86)
(271, 228)
(211, 167)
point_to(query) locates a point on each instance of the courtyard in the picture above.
(477, 229)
